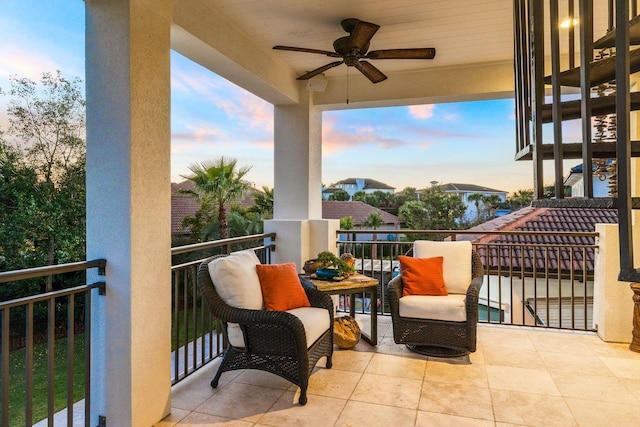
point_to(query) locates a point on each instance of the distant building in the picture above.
(575, 180)
(359, 212)
(353, 185)
(465, 190)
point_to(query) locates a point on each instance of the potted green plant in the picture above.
(329, 261)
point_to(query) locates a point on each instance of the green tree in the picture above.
(43, 162)
(218, 183)
(520, 199)
(339, 195)
(476, 198)
(491, 201)
(263, 203)
(346, 223)
(359, 196)
(436, 210)
(374, 221)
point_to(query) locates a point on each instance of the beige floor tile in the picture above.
(575, 363)
(455, 399)
(332, 383)
(591, 387)
(375, 415)
(619, 350)
(196, 419)
(173, 418)
(241, 401)
(598, 413)
(478, 355)
(193, 391)
(518, 358)
(623, 367)
(633, 386)
(352, 361)
(445, 371)
(400, 392)
(396, 366)
(564, 342)
(505, 337)
(263, 379)
(520, 379)
(319, 411)
(432, 419)
(531, 409)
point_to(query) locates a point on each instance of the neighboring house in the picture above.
(465, 190)
(515, 258)
(359, 211)
(575, 180)
(353, 185)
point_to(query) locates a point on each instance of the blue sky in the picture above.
(470, 142)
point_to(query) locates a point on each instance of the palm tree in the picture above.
(491, 201)
(218, 182)
(263, 203)
(346, 223)
(476, 198)
(374, 220)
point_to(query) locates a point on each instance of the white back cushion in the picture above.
(236, 279)
(456, 264)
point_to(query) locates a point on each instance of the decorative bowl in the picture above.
(326, 273)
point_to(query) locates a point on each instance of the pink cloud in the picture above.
(421, 112)
(335, 140)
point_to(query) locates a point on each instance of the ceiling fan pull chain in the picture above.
(347, 85)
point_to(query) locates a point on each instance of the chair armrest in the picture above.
(473, 290)
(394, 293)
(319, 299)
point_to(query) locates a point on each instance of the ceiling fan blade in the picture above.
(303, 49)
(319, 70)
(370, 72)
(418, 53)
(361, 35)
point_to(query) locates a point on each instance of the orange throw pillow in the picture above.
(422, 276)
(281, 287)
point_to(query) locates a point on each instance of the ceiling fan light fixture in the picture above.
(317, 84)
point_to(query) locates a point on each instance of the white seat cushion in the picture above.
(456, 264)
(236, 279)
(450, 307)
(315, 321)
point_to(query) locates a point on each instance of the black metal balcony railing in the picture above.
(540, 285)
(527, 282)
(196, 338)
(41, 373)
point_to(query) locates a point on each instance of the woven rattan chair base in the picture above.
(433, 351)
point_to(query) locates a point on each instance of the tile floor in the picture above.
(517, 377)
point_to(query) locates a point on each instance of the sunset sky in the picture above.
(469, 142)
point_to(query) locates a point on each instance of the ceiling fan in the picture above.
(353, 50)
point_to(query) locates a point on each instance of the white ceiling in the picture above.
(462, 31)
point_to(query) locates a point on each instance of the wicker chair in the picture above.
(439, 338)
(275, 341)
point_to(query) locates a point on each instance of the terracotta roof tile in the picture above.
(542, 219)
(358, 211)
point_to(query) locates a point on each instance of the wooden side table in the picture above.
(354, 284)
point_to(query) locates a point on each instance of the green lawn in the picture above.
(201, 327)
(17, 379)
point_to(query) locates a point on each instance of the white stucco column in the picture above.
(301, 232)
(128, 207)
(612, 299)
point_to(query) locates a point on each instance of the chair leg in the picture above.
(329, 362)
(303, 397)
(214, 381)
